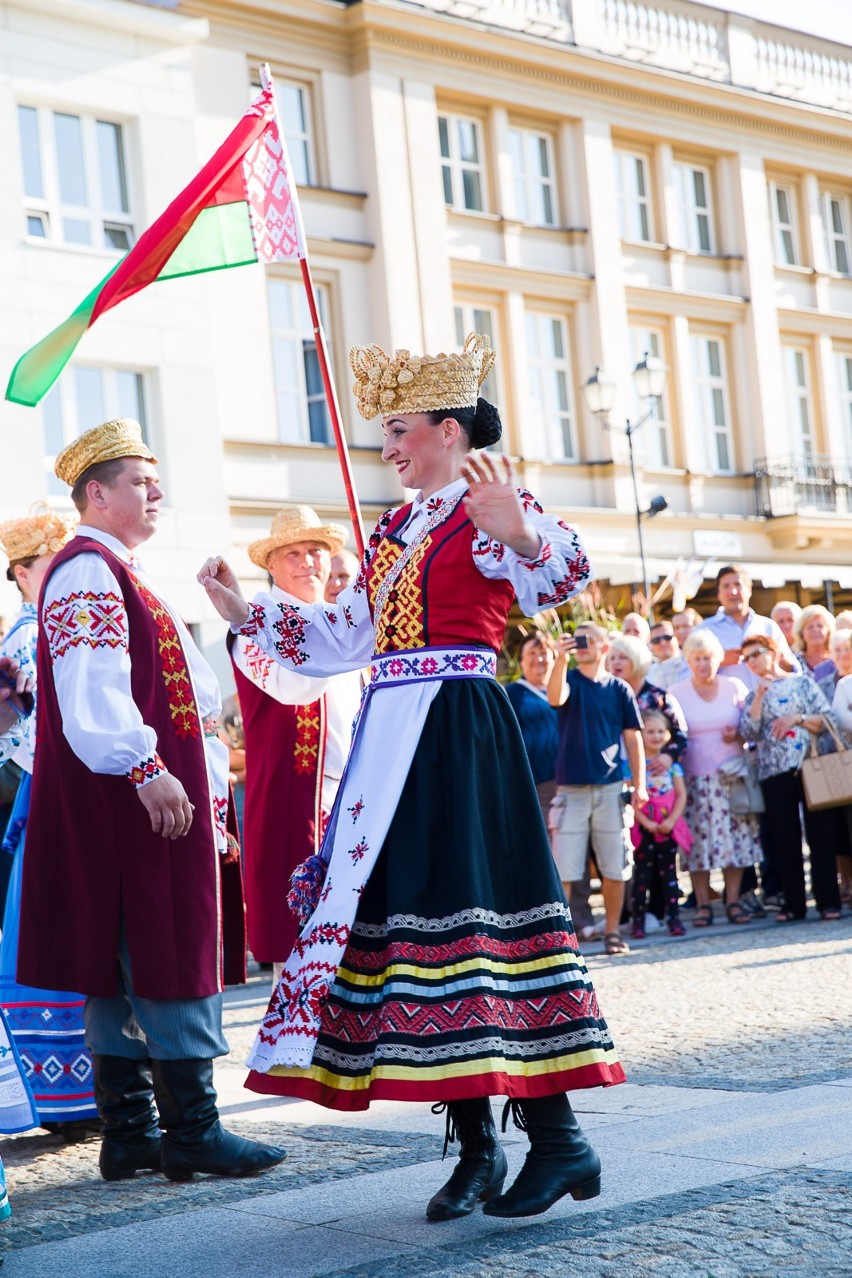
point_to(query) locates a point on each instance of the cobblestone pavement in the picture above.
(760, 1009)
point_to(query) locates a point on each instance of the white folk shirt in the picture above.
(91, 672)
(20, 644)
(342, 698)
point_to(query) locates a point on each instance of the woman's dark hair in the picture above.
(481, 424)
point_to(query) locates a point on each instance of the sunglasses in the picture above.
(755, 652)
(662, 639)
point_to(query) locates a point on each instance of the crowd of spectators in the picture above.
(727, 707)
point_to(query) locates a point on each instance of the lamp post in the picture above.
(649, 378)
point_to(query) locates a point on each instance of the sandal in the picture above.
(784, 917)
(831, 915)
(615, 944)
(703, 916)
(736, 914)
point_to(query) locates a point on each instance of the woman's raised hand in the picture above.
(492, 503)
(223, 590)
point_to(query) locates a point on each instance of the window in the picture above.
(294, 109)
(461, 163)
(633, 195)
(653, 439)
(799, 423)
(478, 319)
(711, 403)
(75, 179)
(782, 208)
(692, 185)
(835, 225)
(80, 400)
(844, 380)
(299, 396)
(532, 177)
(550, 423)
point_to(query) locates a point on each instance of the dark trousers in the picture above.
(654, 864)
(784, 795)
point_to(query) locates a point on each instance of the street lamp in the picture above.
(649, 378)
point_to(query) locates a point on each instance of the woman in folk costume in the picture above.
(46, 1025)
(440, 963)
(18, 1111)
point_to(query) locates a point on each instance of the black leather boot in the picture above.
(130, 1135)
(560, 1160)
(482, 1166)
(194, 1140)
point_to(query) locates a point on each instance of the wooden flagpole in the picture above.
(319, 335)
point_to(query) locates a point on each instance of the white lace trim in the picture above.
(562, 1044)
(488, 918)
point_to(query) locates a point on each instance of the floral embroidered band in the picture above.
(433, 663)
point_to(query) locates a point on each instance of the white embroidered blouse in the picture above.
(21, 644)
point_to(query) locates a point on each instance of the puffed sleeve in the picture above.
(318, 640)
(85, 620)
(560, 570)
(277, 681)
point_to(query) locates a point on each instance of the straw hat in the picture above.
(406, 383)
(122, 437)
(296, 523)
(41, 532)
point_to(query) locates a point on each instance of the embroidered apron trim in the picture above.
(395, 668)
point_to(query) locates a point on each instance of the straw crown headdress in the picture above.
(406, 383)
(41, 532)
(121, 437)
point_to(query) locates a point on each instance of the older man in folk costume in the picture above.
(440, 962)
(46, 1024)
(130, 879)
(298, 731)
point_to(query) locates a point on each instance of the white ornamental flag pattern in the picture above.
(271, 200)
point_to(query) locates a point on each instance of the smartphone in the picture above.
(582, 641)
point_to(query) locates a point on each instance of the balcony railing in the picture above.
(809, 484)
(680, 36)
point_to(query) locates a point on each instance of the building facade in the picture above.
(586, 180)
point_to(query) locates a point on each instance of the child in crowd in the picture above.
(659, 830)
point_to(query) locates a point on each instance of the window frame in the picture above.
(456, 167)
(689, 212)
(621, 154)
(554, 439)
(526, 182)
(71, 425)
(705, 379)
(843, 364)
(305, 337)
(796, 394)
(791, 227)
(832, 238)
(50, 209)
(663, 451)
(307, 88)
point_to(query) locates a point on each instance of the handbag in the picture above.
(827, 778)
(745, 793)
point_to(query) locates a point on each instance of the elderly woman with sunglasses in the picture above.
(781, 716)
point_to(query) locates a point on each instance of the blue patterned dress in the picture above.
(46, 1025)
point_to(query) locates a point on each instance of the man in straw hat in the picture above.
(46, 1024)
(130, 881)
(297, 730)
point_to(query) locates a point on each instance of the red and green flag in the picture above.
(241, 208)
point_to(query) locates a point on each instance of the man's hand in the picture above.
(168, 806)
(638, 796)
(660, 764)
(223, 591)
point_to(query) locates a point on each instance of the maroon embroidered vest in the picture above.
(282, 822)
(440, 598)
(92, 863)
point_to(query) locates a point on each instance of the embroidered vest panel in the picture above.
(439, 599)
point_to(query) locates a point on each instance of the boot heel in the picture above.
(591, 1189)
(178, 1174)
(492, 1191)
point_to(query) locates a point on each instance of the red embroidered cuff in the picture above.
(148, 770)
(544, 556)
(253, 622)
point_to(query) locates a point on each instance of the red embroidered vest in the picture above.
(92, 862)
(282, 823)
(440, 599)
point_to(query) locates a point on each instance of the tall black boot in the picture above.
(482, 1166)
(194, 1140)
(560, 1160)
(130, 1135)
